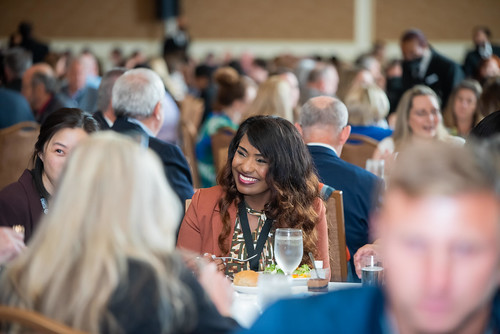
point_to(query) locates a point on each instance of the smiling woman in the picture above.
(23, 202)
(268, 183)
(419, 119)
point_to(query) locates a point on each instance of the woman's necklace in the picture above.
(257, 213)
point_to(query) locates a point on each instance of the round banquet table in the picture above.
(247, 305)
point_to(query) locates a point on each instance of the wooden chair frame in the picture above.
(34, 320)
(358, 153)
(336, 237)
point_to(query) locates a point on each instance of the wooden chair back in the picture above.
(220, 145)
(17, 143)
(34, 321)
(336, 237)
(191, 114)
(358, 149)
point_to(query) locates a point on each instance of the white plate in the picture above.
(300, 280)
(245, 289)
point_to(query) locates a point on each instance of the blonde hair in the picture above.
(367, 104)
(402, 132)
(113, 205)
(273, 98)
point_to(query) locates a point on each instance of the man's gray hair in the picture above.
(17, 60)
(137, 92)
(48, 81)
(324, 110)
(104, 93)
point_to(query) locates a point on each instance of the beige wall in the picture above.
(83, 18)
(264, 27)
(442, 20)
(271, 19)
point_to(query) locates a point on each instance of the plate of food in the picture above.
(246, 282)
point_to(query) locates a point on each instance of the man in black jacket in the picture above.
(422, 65)
(137, 102)
(483, 50)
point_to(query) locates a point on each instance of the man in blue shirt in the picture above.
(440, 242)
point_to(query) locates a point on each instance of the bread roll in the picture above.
(246, 278)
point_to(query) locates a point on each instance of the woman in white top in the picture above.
(418, 118)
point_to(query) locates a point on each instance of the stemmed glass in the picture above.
(288, 249)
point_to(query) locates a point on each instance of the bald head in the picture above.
(324, 119)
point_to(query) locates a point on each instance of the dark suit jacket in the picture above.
(174, 162)
(350, 311)
(442, 75)
(359, 188)
(473, 58)
(99, 117)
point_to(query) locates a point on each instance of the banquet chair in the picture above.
(336, 237)
(220, 145)
(37, 323)
(358, 149)
(17, 143)
(191, 115)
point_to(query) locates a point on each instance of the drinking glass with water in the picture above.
(288, 249)
(371, 271)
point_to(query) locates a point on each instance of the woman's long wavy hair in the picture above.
(291, 179)
(110, 208)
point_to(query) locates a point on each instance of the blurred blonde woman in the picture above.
(462, 111)
(103, 259)
(418, 119)
(368, 106)
(274, 98)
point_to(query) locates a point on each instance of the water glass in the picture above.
(372, 271)
(376, 166)
(288, 249)
(271, 288)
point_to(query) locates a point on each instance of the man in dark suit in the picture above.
(136, 100)
(440, 234)
(483, 50)
(422, 65)
(105, 115)
(323, 125)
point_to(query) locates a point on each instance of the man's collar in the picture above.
(424, 63)
(143, 127)
(324, 145)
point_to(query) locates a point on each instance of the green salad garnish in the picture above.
(275, 269)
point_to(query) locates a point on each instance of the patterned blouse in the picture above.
(238, 247)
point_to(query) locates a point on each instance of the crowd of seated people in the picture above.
(122, 193)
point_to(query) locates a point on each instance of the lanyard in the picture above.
(45, 207)
(247, 235)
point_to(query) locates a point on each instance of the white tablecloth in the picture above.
(246, 306)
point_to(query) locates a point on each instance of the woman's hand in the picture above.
(221, 265)
(366, 250)
(218, 287)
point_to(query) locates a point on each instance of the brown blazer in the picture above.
(202, 225)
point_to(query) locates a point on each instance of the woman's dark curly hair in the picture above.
(291, 178)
